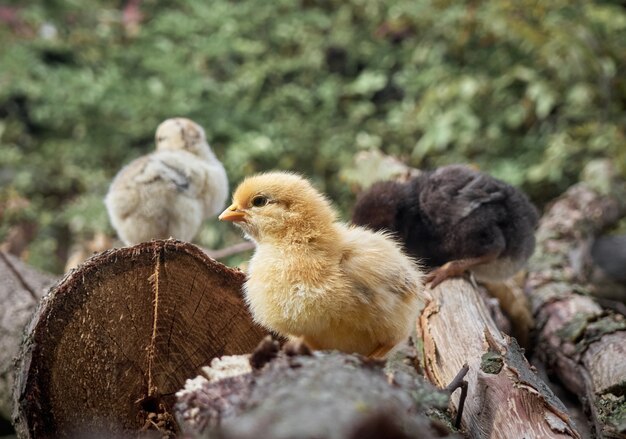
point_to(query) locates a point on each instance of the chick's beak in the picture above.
(232, 213)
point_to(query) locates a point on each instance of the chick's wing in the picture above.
(376, 267)
(201, 179)
(165, 169)
(452, 193)
(123, 196)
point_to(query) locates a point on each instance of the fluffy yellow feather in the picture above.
(312, 277)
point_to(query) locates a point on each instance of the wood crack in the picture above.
(19, 277)
(154, 281)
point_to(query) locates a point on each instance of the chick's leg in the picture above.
(458, 267)
(380, 353)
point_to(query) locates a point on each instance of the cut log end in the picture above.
(112, 343)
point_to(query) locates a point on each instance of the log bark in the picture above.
(21, 289)
(115, 339)
(299, 394)
(506, 399)
(579, 341)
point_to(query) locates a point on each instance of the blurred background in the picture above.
(528, 91)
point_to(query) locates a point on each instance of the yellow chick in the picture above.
(170, 192)
(311, 277)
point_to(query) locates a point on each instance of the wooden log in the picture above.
(579, 341)
(21, 289)
(115, 339)
(298, 394)
(371, 166)
(506, 399)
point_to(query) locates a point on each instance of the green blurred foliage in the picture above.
(528, 91)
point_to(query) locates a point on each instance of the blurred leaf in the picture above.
(529, 91)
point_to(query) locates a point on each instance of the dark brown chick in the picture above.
(454, 219)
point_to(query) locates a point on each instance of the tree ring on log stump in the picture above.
(110, 345)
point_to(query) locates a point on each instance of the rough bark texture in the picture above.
(582, 343)
(21, 287)
(115, 339)
(304, 395)
(505, 399)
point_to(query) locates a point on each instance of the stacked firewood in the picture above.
(157, 337)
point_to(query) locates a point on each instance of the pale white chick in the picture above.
(170, 192)
(331, 285)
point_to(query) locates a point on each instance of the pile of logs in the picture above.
(156, 338)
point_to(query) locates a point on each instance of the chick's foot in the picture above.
(449, 269)
(380, 353)
(457, 268)
(298, 346)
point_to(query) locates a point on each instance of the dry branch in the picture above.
(115, 339)
(582, 343)
(232, 250)
(21, 287)
(506, 399)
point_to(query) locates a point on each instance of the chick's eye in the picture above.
(259, 201)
